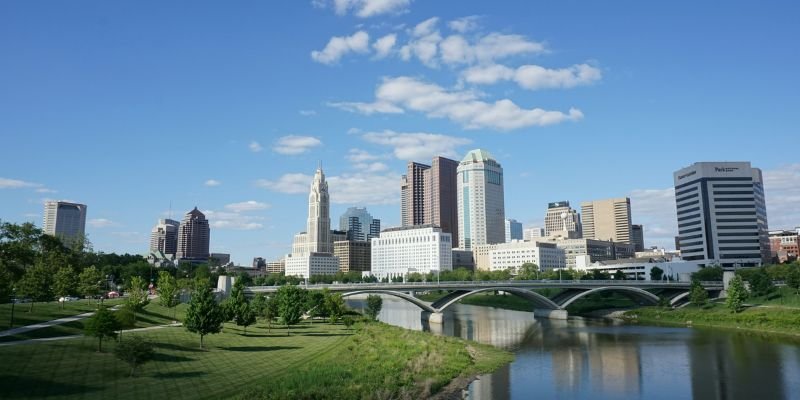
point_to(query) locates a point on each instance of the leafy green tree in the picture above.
(167, 290)
(619, 275)
(334, 304)
(315, 303)
(760, 282)
(89, 281)
(793, 280)
(134, 351)
(698, 294)
(137, 295)
(243, 315)
(64, 283)
(528, 271)
(348, 321)
(101, 325)
(261, 308)
(291, 301)
(125, 318)
(203, 316)
(5, 283)
(374, 305)
(36, 284)
(710, 273)
(656, 274)
(737, 294)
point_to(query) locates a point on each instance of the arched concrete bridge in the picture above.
(543, 306)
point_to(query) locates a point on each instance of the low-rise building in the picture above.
(784, 245)
(404, 250)
(463, 259)
(354, 255)
(676, 269)
(597, 250)
(515, 253)
(308, 264)
(276, 267)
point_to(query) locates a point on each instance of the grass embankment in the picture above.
(782, 320)
(318, 360)
(152, 315)
(47, 311)
(599, 301)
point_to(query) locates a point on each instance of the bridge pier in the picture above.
(433, 317)
(550, 314)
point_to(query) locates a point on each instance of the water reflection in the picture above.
(588, 359)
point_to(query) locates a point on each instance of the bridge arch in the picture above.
(538, 300)
(405, 296)
(632, 292)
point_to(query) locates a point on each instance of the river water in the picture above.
(594, 359)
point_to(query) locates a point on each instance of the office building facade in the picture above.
(721, 212)
(64, 220)
(513, 230)
(637, 237)
(512, 255)
(560, 217)
(608, 219)
(194, 236)
(164, 237)
(353, 255)
(529, 234)
(401, 251)
(428, 195)
(481, 203)
(359, 224)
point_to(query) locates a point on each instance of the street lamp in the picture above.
(13, 301)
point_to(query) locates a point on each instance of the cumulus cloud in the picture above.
(6, 183)
(424, 43)
(364, 8)
(534, 77)
(782, 192)
(212, 183)
(417, 145)
(338, 46)
(101, 223)
(250, 205)
(255, 147)
(233, 220)
(294, 144)
(384, 45)
(464, 24)
(460, 106)
(371, 167)
(655, 210)
(287, 183)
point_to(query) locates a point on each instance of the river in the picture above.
(594, 359)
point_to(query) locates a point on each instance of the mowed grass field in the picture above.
(47, 311)
(230, 364)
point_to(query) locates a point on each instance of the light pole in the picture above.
(13, 301)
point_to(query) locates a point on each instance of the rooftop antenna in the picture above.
(319, 165)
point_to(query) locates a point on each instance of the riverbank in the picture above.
(763, 319)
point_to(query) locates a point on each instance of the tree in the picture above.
(334, 304)
(89, 281)
(737, 294)
(101, 325)
(528, 271)
(203, 316)
(793, 280)
(126, 318)
(348, 321)
(137, 295)
(760, 283)
(374, 305)
(134, 351)
(619, 275)
(291, 300)
(710, 273)
(261, 308)
(36, 284)
(64, 283)
(239, 306)
(167, 291)
(656, 274)
(315, 303)
(698, 294)
(5, 283)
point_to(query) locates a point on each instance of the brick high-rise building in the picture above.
(428, 195)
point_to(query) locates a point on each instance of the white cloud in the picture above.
(655, 210)
(365, 8)
(255, 147)
(212, 183)
(6, 183)
(287, 183)
(534, 77)
(294, 144)
(46, 190)
(384, 45)
(464, 24)
(371, 167)
(338, 46)
(417, 146)
(233, 220)
(425, 43)
(463, 107)
(365, 188)
(360, 156)
(367, 108)
(250, 205)
(101, 223)
(782, 192)
(308, 113)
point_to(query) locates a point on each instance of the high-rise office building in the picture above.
(721, 211)
(428, 195)
(353, 255)
(412, 249)
(560, 217)
(164, 237)
(513, 230)
(481, 204)
(312, 250)
(637, 237)
(65, 220)
(194, 235)
(359, 224)
(608, 219)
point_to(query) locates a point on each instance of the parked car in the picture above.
(112, 295)
(68, 298)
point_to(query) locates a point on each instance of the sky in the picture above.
(143, 110)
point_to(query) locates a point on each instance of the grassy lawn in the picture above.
(317, 361)
(153, 314)
(757, 319)
(47, 311)
(783, 296)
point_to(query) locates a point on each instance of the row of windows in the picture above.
(735, 206)
(688, 224)
(733, 192)
(739, 256)
(741, 248)
(732, 185)
(733, 213)
(737, 227)
(722, 220)
(688, 210)
(738, 234)
(691, 203)
(691, 237)
(727, 199)
(691, 244)
(682, 192)
(685, 231)
(691, 196)
(739, 241)
(684, 218)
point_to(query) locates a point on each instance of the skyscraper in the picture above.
(513, 230)
(608, 219)
(560, 217)
(481, 204)
(721, 213)
(164, 237)
(637, 237)
(359, 224)
(194, 235)
(67, 221)
(428, 195)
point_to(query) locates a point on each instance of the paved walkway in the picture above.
(28, 328)
(31, 341)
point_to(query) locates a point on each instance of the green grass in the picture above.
(317, 361)
(783, 296)
(756, 319)
(46, 311)
(153, 314)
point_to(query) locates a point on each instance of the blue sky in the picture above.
(131, 106)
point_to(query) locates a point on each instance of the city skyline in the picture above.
(253, 113)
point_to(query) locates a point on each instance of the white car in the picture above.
(67, 298)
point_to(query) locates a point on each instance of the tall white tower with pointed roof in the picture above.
(318, 228)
